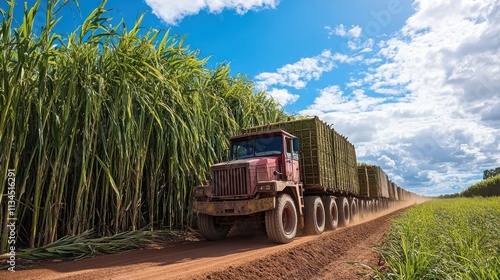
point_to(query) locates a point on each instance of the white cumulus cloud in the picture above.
(282, 96)
(173, 11)
(340, 30)
(298, 74)
(333, 99)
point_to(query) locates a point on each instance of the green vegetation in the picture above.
(454, 195)
(488, 187)
(445, 239)
(491, 173)
(109, 128)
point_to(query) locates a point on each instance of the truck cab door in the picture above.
(292, 160)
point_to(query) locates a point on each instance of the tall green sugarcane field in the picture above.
(109, 127)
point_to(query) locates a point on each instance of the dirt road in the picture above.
(247, 255)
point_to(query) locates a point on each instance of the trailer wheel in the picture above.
(281, 222)
(211, 228)
(354, 209)
(314, 215)
(344, 213)
(365, 210)
(331, 212)
(372, 206)
(361, 208)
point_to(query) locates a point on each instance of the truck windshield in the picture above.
(256, 147)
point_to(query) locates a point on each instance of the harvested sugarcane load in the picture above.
(327, 159)
(377, 181)
(394, 188)
(390, 189)
(364, 187)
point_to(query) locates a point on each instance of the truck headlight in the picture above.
(199, 191)
(266, 187)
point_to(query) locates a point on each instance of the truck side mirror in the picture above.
(225, 156)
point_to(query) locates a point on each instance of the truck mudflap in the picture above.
(234, 208)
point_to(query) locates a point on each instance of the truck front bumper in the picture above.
(234, 208)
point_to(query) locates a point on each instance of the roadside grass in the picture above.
(444, 239)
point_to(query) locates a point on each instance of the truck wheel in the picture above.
(331, 212)
(211, 228)
(314, 215)
(344, 213)
(281, 222)
(370, 206)
(362, 209)
(354, 209)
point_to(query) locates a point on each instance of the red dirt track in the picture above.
(247, 255)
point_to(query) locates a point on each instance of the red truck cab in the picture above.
(262, 165)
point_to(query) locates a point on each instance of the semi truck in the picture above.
(294, 175)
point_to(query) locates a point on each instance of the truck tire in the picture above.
(361, 205)
(354, 209)
(314, 215)
(211, 228)
(370, 207)
(344, 212)
(331, 212)
(363, 209)
(281, 222)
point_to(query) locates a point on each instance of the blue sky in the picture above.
(415, 85)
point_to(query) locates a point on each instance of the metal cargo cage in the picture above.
(327, 159)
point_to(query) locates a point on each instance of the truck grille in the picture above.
(230, 182)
